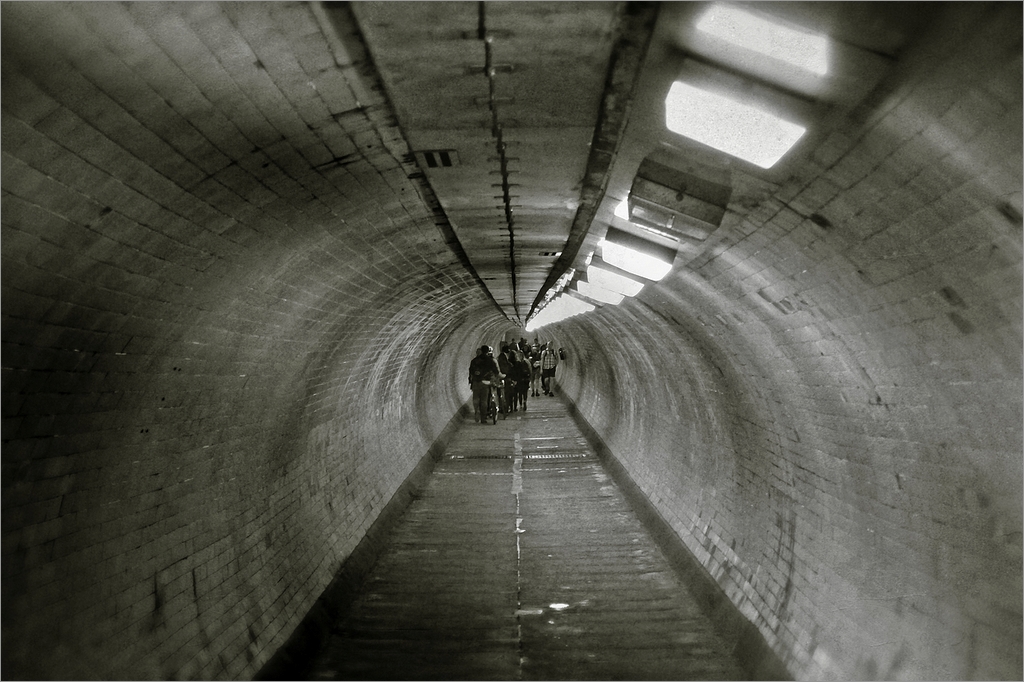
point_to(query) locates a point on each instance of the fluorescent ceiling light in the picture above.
(622, 210)
(576, 305)
(728, 125)
(559, 309)
(637, 255)
(612, 281)
(807, 51)
(599, 293)
(633, 261)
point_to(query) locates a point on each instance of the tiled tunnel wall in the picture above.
(830, 417)
(231, 331)
(218, 364)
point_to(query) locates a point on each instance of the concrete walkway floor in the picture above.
(521, 559)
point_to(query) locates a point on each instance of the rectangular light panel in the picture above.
(729, 125)
(634, 261)
(807, 51)
(606, 279)
(557, 310)
(599, 293)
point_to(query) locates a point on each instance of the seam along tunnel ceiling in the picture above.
(249, 249)
(502, 102)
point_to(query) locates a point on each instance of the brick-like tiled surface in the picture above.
(232, 326)
(830, 417)
(521, 559)
(220, 355)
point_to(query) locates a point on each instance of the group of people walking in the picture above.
(520, 370)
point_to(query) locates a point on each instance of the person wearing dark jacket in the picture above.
(506, 364)
(482, 368)
(523, 375)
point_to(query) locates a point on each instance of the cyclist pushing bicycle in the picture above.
(484, 378)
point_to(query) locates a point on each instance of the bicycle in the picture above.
(493, 400)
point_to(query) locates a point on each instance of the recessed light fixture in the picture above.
(631, 260)
(612, 281)
(599, 293)
(622, 209)
(728, 125)
(559, 309)
(635, 255)
(802, 49)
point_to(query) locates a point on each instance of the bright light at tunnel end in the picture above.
(729, 125)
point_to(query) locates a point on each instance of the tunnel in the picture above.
(250, 249)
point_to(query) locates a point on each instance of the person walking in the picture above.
(507, 367)
(548, 363)
(482, 368)
(524, 373)
(535, 369)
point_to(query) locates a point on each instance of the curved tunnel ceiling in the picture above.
(501, 105)
(249, 248)
(529, 121)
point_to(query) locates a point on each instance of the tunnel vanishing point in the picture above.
(250, 248)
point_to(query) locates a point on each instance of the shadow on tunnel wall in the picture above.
(789, 483)
(825, 403)
(230, 339)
